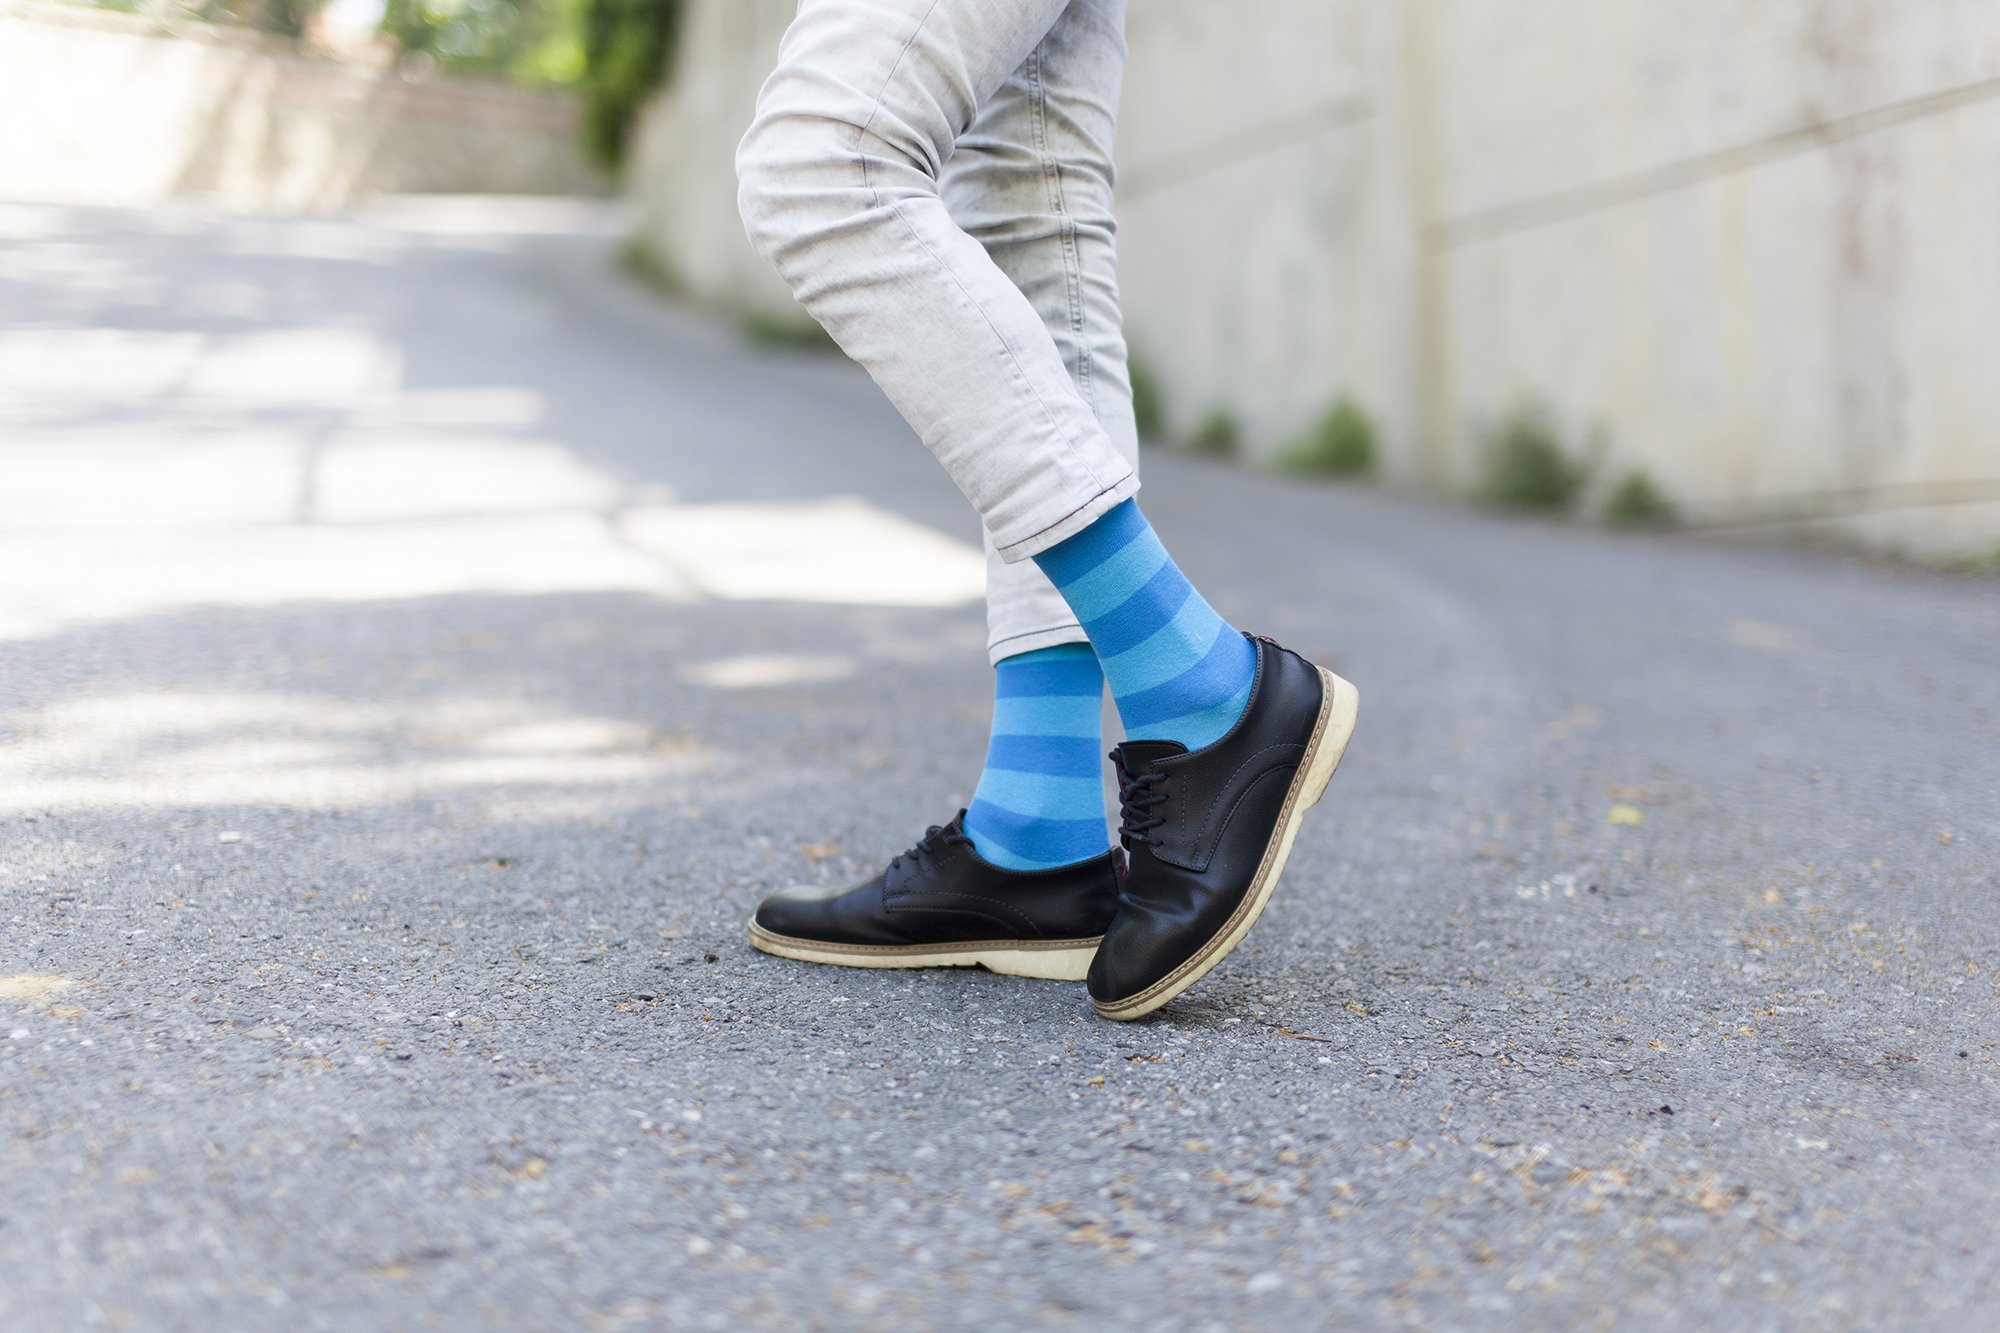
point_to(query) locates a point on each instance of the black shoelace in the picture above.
(1136, 798)
(936, 838)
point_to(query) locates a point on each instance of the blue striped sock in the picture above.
(1040, 801)
(1177, 670)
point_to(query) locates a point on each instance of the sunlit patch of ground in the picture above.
(768, 670)
(149, 472)
(158, 749)
(32, 989)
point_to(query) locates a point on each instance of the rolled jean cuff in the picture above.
(1073, 522)
(1028, 641)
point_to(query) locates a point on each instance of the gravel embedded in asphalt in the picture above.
(382, 796)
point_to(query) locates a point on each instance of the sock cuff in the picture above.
(1075, 556)
(1066, 670)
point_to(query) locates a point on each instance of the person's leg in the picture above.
(1177, 670)
(839, 179)
(1031, 181)
(840, 190)
(839, 176)
(1228, 742)
(1040, 801)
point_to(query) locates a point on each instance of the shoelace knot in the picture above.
(936, 837)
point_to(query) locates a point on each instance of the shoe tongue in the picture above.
(1139, 755)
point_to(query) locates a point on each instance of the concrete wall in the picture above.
(1751, 247)
(108, 109)
(1755, 242)
(682, 173)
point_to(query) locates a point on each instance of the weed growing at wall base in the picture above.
(1218, 436)
(644, 264)
(1638, 503)
(770, 330)
(1526, 467)
(1149, 408)
(640, 260)
(1342, 444)
(1977, 564)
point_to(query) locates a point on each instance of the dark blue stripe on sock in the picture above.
(1055, 841)
(1069, 676)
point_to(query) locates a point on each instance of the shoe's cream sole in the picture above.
(1338, 705)
(1052, 960)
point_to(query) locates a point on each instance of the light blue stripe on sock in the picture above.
(1035, 794)
(1052, 715)
(1054, 756)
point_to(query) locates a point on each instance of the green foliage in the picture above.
(1977, 564)
(529, 41)
(628, 48)
(777, 331)
(650, 268)
(1149, 408)
(1218, 435)
(617, 52)
(282, 18)
(287, 18)
(1526, 467)
(1638, 503)
(1341, 445)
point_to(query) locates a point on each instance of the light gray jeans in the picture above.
(933, 179)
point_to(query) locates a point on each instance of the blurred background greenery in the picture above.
(611, 53)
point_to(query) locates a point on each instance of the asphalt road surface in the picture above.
(419, 650)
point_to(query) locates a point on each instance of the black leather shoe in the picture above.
(1208, 831)
(941, 904)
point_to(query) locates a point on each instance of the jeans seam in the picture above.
(1063, 628)
(1086, 382)
(875, 107)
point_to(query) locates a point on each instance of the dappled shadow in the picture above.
(419, 654)
(259, 412)
(450, 322)
(552, 709)
(363, 523)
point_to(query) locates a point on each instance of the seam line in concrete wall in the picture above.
(1579, 201)
(1807, 507)
(1244, 145)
